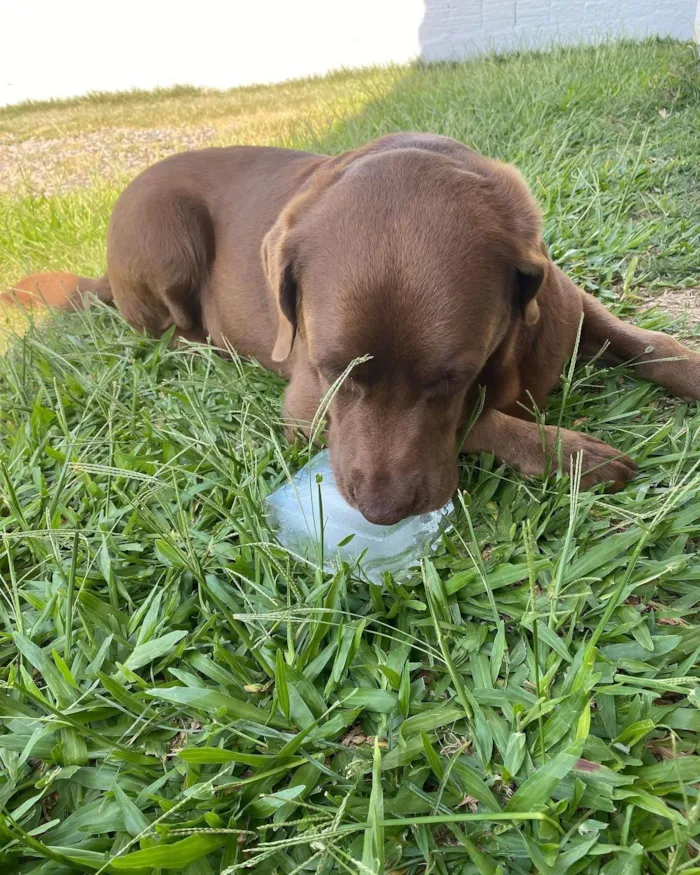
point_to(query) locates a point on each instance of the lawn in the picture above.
(181, 695)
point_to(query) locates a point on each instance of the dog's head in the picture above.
(405, 257)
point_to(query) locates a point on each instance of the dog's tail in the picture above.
(60, 291)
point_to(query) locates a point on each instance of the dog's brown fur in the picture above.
(413, 250)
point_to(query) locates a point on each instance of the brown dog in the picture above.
(413, 250)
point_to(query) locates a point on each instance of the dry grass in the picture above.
(258, 111)
(51, 147)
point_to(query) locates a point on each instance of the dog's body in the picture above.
(415, 251)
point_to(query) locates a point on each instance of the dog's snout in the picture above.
(382, 501)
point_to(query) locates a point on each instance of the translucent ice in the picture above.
(294, 511)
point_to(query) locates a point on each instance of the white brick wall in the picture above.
(60, 49)
(459, 28)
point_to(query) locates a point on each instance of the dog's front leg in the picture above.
(532, 449)
(301, 400)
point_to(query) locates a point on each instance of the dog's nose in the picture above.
(385, 510)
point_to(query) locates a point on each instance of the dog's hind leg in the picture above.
(160, 249)
(655, 356)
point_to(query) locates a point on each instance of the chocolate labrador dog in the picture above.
(413, 251)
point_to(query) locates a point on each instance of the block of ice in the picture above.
(294, 512)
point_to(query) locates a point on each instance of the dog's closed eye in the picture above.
(349, 382)
(357, 376)
(446, 384)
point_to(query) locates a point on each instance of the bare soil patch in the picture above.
(681, 304)
(51, 166)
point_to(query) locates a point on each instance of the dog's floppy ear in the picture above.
(278, 256)
(280, 252)
(525, 226)
(532, 271)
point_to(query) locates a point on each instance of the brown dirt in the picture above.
(57, 165)
(681, 304)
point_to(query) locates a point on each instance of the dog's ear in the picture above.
(280, 251)
(278, 257)
(524, 223)
(531, 274)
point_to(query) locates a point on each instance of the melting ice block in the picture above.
(294, 511)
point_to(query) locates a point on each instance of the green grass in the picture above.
(179, 695)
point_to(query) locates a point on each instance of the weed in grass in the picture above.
(180, 694)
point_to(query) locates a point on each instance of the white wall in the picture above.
(462, 27)
(61, 49)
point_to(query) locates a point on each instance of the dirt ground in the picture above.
(678, 303)
(55, 165)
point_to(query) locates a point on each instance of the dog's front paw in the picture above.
(600, 463)
(686, 378)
